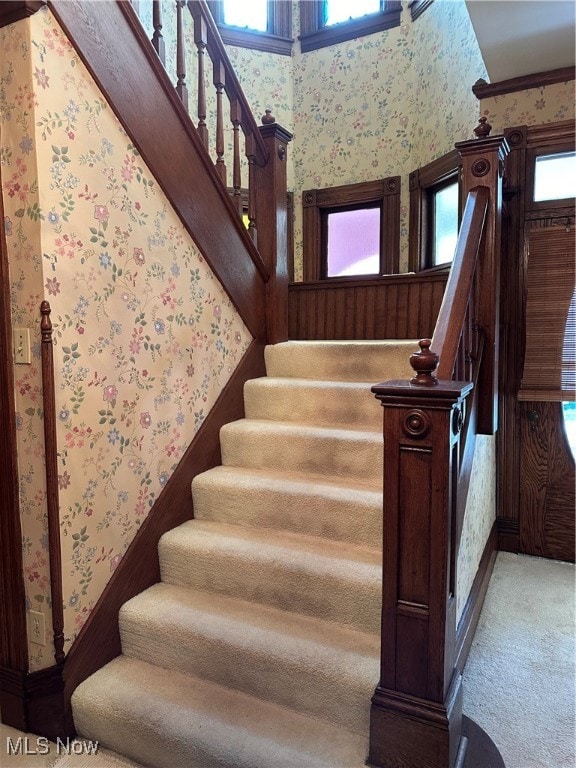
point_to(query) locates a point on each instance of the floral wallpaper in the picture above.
(478, 518)
(145, 337)
(535, 106)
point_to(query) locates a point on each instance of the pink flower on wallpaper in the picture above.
(110, 393)
(114, 562)
(138, 255)
(101, 212)
(41, 77)
(63, 480)
(52, 286)
(145, 420)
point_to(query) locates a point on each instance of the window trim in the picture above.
(278, 38)
(424, 182)
(314, 34)
(316, 203)
(555, 148)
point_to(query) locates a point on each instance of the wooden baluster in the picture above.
(181, 88)
(252, 171)
(52, 497)
(201, 40)
(157, 38)
(236, 118)
(219, 82)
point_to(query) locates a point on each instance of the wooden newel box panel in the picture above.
(418, 679)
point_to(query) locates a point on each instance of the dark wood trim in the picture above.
(483, 90)
(508, 534)
(99, 639)
(417, 7)
(471, 613)
(15, 10)
(316, 203)
(157, 122)
(389, 307)
(33, 702)
(13, 635)
(315, 36)
(277, 39)
(52, 491)
(423, 183)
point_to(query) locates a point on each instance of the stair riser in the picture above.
(337, 689)
(220, 499)
(361, 458)
(351, 598)
(341, 361)
(353, 407)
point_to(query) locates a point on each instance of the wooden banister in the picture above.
(430, 425)
(52, 495)
(459, 289)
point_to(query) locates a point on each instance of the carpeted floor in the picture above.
(519, 683)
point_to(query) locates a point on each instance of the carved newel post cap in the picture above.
(483, 129)
(424, 363)
(268, 117)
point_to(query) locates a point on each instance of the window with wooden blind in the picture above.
(550, 345)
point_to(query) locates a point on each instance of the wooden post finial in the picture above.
(268, 117)
(424, 364)
(483, 129)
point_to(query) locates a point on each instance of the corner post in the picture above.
(416, 709)
(272, 223)
(483, 164)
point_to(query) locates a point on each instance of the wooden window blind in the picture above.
(550, 322)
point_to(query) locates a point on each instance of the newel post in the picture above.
(483, 165)
(272, 221)
(416, 709)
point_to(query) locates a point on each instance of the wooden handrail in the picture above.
(452, 315)
(52, 495)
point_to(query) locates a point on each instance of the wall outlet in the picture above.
(37, 628)
(22, 351)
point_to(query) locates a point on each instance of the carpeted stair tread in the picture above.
(303, 448)
(311, 504)
(373, 361)
(167, 719)
(331, 580)
(331, 403)
(297, 661)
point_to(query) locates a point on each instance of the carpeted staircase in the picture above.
(260, 645)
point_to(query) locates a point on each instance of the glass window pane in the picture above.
(555, 177)
(353, 242)
(343, 10)
(239, 13)
(445, 224)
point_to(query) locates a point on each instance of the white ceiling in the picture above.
(523, 37)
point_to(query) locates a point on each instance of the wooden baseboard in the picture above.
(508, 534)
(33, 702)
(99, 641)
(471, 613)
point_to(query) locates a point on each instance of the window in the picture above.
(444, 223)
(326, 22)
(263, 25)
(555, 176)
(352, 230)
(434, 213)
